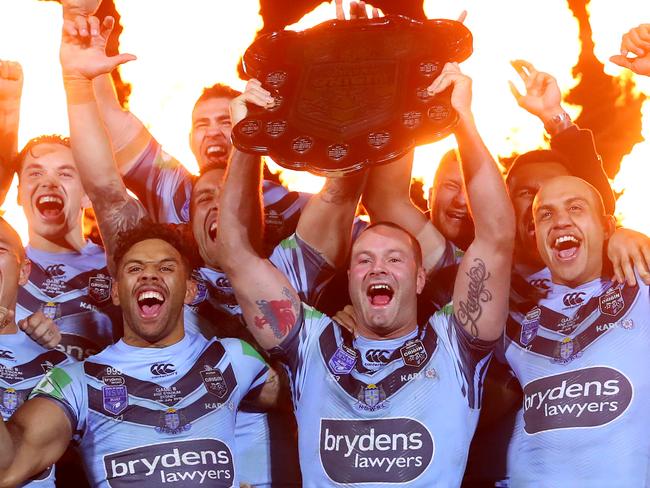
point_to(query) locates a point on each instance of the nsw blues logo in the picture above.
(11, 400)
(530, 326)
(173, 422)
(371, 398)
(343, 360)
(115, 399)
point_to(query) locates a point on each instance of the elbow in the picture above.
(499, 229)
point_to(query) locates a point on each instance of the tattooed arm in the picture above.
(11, 86)
(483, 279)
(82, 59)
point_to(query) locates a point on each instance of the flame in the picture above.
(188, 45)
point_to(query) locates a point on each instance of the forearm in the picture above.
(326, 221)
(240, 210)
(7, 449)
(486, 191)
(9, 123)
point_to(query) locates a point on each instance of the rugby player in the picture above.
(160, 405)
(22, 362)
(580, 354)
(376, 424)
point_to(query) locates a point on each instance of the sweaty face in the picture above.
(384, 280)
(210, 136)
(524, 185)
(14, 269)
(204, 204)
(448, 203)
(570, 229)
(152, 286)
(50, 191)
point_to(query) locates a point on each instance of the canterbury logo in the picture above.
(573, 299)
(6, 354)
(55, 270)
(160, 369)
(541, 283)
(377, 356)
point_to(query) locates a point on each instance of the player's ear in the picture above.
(190, 292)
(25, 269)
(421, 280)
(609, 225)
(114, 294)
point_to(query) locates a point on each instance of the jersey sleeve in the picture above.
(471, 355)
(66, 387)
(282, 209)
(250, 368)
(300, 345)
(305, 268)
(162, 184)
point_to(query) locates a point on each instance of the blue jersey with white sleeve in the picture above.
(373, 413)
(150, 416)
(581, 356)
(23, 363)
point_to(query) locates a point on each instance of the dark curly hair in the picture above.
(45, 139)
(179, 236)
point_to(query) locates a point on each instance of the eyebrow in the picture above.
(140, 261)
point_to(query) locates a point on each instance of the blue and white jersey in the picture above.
(150, 416)
(74, 289)
(408, 418)
(22, 365)
(581, 356)
(164, 186)
(265, 441)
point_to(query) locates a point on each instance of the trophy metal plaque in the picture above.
(351, 94)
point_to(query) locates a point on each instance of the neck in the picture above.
(383, 334)
(523, 263)
(579, 280)
(72, 241)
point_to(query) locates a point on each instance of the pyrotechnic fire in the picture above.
(191, 44)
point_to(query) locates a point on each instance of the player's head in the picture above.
(385, 276)
(203, 212)
(211, 128)
(153, 266)
(49, 188)
(14, 267)
(448, 202)
(571, 228)
(527, 174)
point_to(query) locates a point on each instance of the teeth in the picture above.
(213, 227)
(150, 294)
(215, 149)
(562, 239)
(380, 287)
(50, 198)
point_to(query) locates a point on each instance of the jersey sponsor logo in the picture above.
(172, 422)
(77, 347)
(55, 270)
(392, 450)
(343, 360)
(115, 399)
(371, 398)
(197, 462)
(626, 324)
(542, 283)
(99, 288)
(214, 382)
(589, 397)
(573, 299)
(7, 354)
(530, 326)
(611, 303)
(377, 356)
(162, 369)
(413, 353)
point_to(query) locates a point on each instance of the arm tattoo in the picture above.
(469, 312)
(279, 315)
(340, 190)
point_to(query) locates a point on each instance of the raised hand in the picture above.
(254, 93)
(11, 84)
(357, 11)
(637, 43)
(461, 95)
(543, 97)
(83, 48)
(41, 329)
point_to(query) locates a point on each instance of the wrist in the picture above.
(556, 121)
(79, 90)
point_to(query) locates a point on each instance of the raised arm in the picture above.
(636, 42)
(28, 444)
(11, 87)
(83, 59)
(483, 279)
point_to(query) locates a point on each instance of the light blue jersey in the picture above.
(407, 418)
(150, 416)
(73, 289)
(22, 365)
(581, 356)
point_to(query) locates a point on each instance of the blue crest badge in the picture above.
(50, 310)
(115, 399)
(172, 421)
(10, 401)
(371, 397)
(530, 326)
(343, 360)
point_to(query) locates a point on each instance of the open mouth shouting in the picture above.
(566, 247)
(150, 303)
(212, 231)
(216, 151)
(50, 206)
(379, 294)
